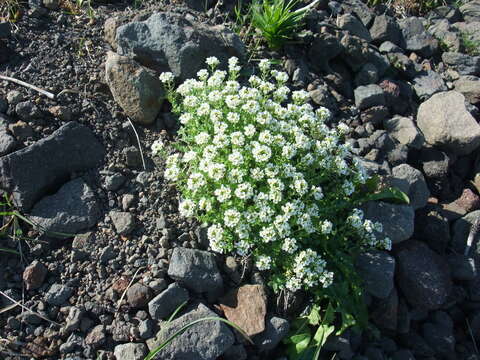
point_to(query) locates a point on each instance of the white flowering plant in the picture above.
(259, 165)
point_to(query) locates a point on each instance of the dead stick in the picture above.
(41, 91)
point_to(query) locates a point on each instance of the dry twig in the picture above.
(23, 83)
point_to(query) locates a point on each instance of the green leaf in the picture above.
(392, 195)
(301, 342)
(322, 333)
(314, 317)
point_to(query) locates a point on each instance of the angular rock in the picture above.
(170, 42)
(471, 11)
(124, 222)
(137, 90)
(72, 209)
(423, 276)
(447, 124)
(27, 110)
(354, 26)
(359, 8)
(96, 337)
(138, 295)
(34, 275)
(448, 12)
(428, 83)
(324, 47)
(203, 341)
(385, 28)
(30, 173)
(196, 270)
(416, 38)
(469, 201)
(276, 329)
(21, 130)
(7, 143)
(397, 220)
(462, 63)
(247, 308)
(58, 294)
(355, 51)
(368, 74)
(462, 267)
(411, 181)
(376, 269)
(469, 86)
(403, 130)
(368, 96)
(130, 351)
(165, 303)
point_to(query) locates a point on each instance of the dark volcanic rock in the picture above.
(30, 173)
(170, 42)
(206, 340)
(423, 276)
(72, 209)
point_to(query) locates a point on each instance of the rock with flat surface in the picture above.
(165, 303)
(136, 89)
(416, 38)
(169, 42)
(72, 209)
(246, 307)
(411, 182)
(397, 220)
(131, 351)
(404, 130)
(469, 86)
(368, 96)
(354, 26)
(447, 124)
(30, 173)
(462, 63)
(196, 270)
(205, 340)
(276, 329)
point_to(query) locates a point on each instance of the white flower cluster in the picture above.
(266, 173)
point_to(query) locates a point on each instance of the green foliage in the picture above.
(10, 10)
(261, 167)
(469, 44)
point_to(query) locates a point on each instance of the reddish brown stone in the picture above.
(246, 307)
(120, 285)
(34, 275)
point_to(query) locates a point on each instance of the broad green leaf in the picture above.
(314, 317)
(392, 195)
(301, 342)
(322, 333)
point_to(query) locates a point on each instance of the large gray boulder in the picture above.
(447, 124)
(72, 209)
(170, 42)
(411, 181)
(32, 172)
(423, 275)
(385, 28)
(206, 340)
(397, 220)
(136, 89)
(196, 270)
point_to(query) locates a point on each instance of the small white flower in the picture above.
(327, 227)
(264, 65)
(187, 208)
(231, 218)
(202, 74)
(202, 138)
(289, 245)
(263, 263)
(166, 77)
(212, 61)
(157, 147)
(223, 193)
